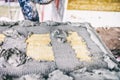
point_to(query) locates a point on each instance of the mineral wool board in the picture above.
(38, 47)
(2, 37)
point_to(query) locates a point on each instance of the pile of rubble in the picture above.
(78, 53)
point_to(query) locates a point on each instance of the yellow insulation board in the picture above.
(79, 46)
(2, 37)
(38, 47)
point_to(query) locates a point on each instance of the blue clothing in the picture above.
(29, 11)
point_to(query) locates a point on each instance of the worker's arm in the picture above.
(29, 10)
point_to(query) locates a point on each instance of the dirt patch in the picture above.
(111, 37)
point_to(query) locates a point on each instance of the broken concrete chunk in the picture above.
(28, 23)
(51, 23)
(110, 75)
(100, 74)
(58, 75)
(5, 23)
(30, 77)
(111, 64)
(59, 35)
(14, 43)
(14, 40)
(12, 33)
(14, 57)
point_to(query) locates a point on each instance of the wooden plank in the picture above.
(38, 47)
(95, 5)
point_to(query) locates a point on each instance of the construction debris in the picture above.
(55, 51)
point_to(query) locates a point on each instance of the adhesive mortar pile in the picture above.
(54, 51)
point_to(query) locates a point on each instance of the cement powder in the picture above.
(16, 65)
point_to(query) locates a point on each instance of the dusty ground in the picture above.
(111, 37)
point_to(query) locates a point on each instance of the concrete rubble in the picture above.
(16, 65)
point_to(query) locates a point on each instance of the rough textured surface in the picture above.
(15, 64)
(100, 74)
(39, 44)
(111, 37)
(66, 53)
(56, 75)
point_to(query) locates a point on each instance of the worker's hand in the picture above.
(42, 1)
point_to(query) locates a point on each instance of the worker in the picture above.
(29, 9)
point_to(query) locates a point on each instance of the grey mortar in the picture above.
(5, 23)
(14, 40)
(64, 55)
(57, 74)
(101, 74)
(32, 67)
(30, 77)
(2, 29)
(96, 52)
(93, 48)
